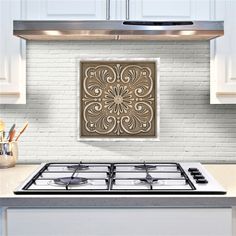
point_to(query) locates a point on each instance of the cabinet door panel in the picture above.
(12, 56)
(117, 222)
(160, 8)
(65, 9)
(170, 9)
(223, 58)
(70, 7)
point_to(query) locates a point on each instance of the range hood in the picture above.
(118, 30)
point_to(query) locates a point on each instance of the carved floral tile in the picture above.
(118, 99)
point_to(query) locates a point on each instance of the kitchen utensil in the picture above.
(22, 130)
(12, 135)
(8, 154)
(11, 131)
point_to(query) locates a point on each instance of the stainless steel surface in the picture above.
(127, 2)
(165, 178)
(8, 154)
(108, 9)
(118, 30)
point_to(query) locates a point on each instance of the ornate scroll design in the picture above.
(117, 99)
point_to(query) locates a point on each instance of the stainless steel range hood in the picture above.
(118, 30)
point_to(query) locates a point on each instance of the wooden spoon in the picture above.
(22, 130)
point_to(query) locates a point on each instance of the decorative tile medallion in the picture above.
(118, 99)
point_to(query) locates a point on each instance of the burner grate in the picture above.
(109, 177)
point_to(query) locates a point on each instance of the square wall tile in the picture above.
(118, 99)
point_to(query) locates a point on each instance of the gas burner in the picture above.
(70, 181)
(145, 167)
(148, 180)
(78, 167)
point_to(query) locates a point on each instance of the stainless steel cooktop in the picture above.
(129, 178)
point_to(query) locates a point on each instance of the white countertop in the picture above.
(10, 178)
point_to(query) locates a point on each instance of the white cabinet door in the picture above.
(120, 222)
(170, 9)
(223, 58)
(65, 9)
(12, 56)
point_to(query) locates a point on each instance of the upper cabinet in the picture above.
(12, 56)
(169, 10)
(66, 10)
(223, 56)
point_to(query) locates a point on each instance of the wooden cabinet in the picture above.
(12, 56)
(223, 56)
(117, 222)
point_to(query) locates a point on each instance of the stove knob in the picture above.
(192, 169)
(201, 181)
(195, 173)
(198, 177)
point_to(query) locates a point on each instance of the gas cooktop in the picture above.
(129, 178)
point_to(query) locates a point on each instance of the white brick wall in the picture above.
(191, 128)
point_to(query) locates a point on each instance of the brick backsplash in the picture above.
(190, 128)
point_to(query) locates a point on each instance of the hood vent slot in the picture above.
(158, 23)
